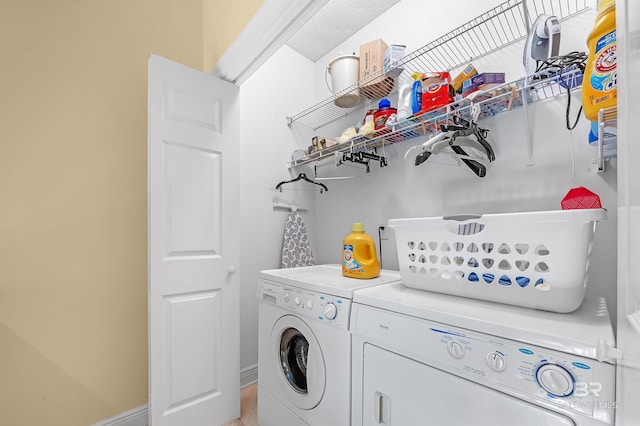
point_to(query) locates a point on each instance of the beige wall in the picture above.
(223, 21)
(73, 196)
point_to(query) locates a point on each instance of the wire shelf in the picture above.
(502, 98)
(499, 27)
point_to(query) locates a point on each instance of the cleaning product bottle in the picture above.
(383, 113)
(359, 258)
(416, 94)
(599, 88)
(404, 101)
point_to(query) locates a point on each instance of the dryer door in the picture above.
(298, 357)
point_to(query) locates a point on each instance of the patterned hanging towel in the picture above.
(296, 250)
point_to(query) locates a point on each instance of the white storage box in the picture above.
(536, 259)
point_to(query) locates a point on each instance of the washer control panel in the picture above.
(543, 376)
(329, 309)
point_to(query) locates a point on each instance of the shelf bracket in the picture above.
(527, 129)
(601, 161)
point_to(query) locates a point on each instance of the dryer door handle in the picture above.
(381, 408)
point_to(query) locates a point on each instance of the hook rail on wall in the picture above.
(302, 176)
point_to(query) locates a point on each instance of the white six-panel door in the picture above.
(194, 362)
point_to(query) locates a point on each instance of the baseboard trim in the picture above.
(137, 417)
(249, 375)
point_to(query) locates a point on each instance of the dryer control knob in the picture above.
(296, 300)
(496, 361)
(555, 379)
(309, 304)
(286, 297)
(330, 311)
(455, 350)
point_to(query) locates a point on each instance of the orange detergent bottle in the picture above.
(599, 87)
(359, 259)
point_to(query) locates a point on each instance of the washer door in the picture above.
(299, 359)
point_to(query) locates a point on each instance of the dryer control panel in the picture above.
(332, 310)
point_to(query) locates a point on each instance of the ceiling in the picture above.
(311, 27)
(333, 24)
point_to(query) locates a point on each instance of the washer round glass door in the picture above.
(299, 358)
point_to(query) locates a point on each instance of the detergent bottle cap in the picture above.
(384, 103)
(357, 227)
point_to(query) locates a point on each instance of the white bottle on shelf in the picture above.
(404, 101)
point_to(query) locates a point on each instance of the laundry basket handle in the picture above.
(468, 224)
(462, 217)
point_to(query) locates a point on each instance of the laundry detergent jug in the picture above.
(359, 259)
(600, 85)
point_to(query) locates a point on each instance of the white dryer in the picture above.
(304, 348)
(426, 358)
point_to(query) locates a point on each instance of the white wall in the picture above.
(402, 190)
(276, 90)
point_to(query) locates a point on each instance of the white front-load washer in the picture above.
(304, 345)
(426, 358)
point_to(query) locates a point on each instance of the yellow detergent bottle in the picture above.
(359, 259)
(600, 86)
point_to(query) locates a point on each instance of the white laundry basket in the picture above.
(535, 259)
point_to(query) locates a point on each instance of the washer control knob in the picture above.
(455, 350)
(286, 297)
(496, 361)
(330, 311)
(296, 300)
(555, 379)
(309, 304)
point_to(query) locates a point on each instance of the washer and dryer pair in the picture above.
(304, 349)
(340, 351)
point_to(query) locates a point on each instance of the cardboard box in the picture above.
(392, 56)
(488, 78)
(373, 83)
(468, 89)
(436, 91)
(465, 75)
(483, 81)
